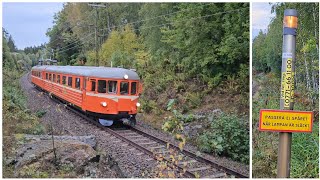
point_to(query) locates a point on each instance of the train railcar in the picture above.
(102, 92)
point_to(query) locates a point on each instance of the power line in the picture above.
(65, 49)
(65, 28)
(209, 15)
(163, 15)
(77, 41)
(205, 16)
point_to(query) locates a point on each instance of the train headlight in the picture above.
(104, 104)
(138, 104)
(125, 76)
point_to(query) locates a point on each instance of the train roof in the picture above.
(91, 71)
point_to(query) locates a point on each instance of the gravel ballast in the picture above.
(132, 162)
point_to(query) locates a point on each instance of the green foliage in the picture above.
(229, 136)
(120, 48)
(216, 42)
(173, 124)
(267, 50)
(305, 146)
(14, 107)
(41, 113)
(267, 47)
(194, 99)
(170, 104)
(304, 159)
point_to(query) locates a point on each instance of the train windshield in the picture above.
(133, 88)
(124, 88)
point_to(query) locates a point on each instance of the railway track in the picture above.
(191, 165)
(184, 162)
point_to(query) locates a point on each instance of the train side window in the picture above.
(54, 78)
(93, 85)
(84, 83)
(77, 83)
(112, 87)
(46, 75)
(64, 79)
(58, 79)
(102, 86)
(124, 88)
(50, 77)
(133, 88)
(70, 81)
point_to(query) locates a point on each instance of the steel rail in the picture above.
(136, 145)
(194, 156)
(186, 173)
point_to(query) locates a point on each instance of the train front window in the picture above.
(58, 79)
(112, 87)
(77, 83)
(133, 88)
(70, 81)
(54, 77)
(102, 86)
(50, 77)
(124, 88)
(64, 79)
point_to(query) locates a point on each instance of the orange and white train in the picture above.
(102, 92)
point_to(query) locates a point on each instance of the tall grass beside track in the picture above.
(305, 146)
(16, 118)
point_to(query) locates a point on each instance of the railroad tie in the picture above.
(127, 133)
(147, 143)
(124, 131)
(138, 136)
(157, 147)
(143, 139)
(218, 175)
(161, 152)
(187, 162)
(199, 169)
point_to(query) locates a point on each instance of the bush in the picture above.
(228, 135)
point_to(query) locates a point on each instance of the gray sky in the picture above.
(28, 22)
(261, 16)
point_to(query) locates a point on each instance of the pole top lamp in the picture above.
(290, 22)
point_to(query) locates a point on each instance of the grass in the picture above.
(17, 119)
(305, 146)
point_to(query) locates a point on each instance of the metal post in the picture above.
(287, 88)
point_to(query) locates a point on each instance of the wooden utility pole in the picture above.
(96, 6)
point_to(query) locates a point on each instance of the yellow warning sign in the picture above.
(285, 120)
(287, 84)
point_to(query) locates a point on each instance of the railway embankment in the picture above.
(117, 159)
